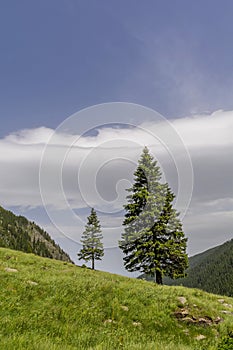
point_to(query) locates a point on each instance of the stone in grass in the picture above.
(226, 312)
(189, 320)
(205, 321)
(200, 337)
(181, 313)
(125, 308)
(109, 321)
(9, 269)
(32, 283)
(227, 305)
(137, 324)
(221, 301)
(182, 300)
(217, 320)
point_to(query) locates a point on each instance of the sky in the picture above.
(62, 57)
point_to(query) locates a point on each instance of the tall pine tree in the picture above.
(153, 241)
(91, 239)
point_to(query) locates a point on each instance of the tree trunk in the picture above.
(93, 263)
(159, 279)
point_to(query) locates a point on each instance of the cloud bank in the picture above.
(96, 168)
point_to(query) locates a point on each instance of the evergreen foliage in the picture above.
(16, 232)
(91, 240)
(153, 241)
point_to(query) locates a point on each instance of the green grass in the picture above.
(75, 308)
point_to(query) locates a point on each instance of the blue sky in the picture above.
(58, 57)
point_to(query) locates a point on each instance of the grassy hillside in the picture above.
(53, 305)
(16, 232)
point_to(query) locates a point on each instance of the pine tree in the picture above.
(91, 240)
(153, 241)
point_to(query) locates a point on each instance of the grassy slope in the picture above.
(71, 308)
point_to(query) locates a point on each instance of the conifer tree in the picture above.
(91, 239)
(153, 241)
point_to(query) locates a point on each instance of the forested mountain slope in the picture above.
(16, 232)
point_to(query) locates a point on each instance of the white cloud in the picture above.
(206, 130)
(105, 164)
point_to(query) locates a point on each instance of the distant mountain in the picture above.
(211, 271)
(16, 232)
